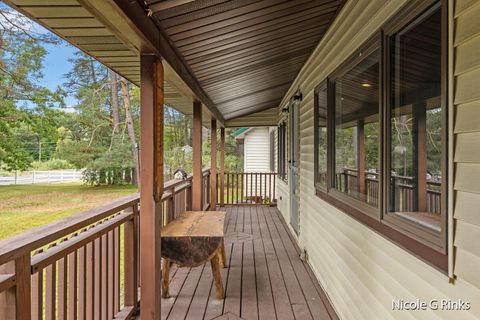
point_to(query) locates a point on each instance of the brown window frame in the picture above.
(320, 88)
(410, 236)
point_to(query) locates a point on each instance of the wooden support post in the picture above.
(361, 156)
(16, 302)
(222, 167)
(197, 157)
(420, 156)
(151, 173)
(213, 166)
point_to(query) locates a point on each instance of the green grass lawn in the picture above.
(23, 207)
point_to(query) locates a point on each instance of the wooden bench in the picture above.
(192, 239)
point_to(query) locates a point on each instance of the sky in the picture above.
(56, 66)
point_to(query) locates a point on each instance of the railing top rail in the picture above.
(251, 172)
(21, 244)
(176, 182)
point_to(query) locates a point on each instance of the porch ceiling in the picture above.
(244, 54)
(237, 57)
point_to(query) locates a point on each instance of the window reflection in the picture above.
(357, 130)
(416, 121)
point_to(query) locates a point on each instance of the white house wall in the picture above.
(361, 271)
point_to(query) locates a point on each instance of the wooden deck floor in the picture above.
(265, 278)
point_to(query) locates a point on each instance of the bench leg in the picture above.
(166, 278)
(215, 263)
(222, 254)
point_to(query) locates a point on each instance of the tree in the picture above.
(129, 122)
(28, 112)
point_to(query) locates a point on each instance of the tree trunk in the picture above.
(130, 129)
(115, 109)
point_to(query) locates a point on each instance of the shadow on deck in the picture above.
(265, 279)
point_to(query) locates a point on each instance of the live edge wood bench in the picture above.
(192, 239)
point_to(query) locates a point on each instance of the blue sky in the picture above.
(56, 66)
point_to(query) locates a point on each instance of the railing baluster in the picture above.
(104, 277)
(274, 184)
(259, 195)
(91, 263)
(97, 283)
(116, 261)
(82, 283)
(256, 189)
(111, 274)
(72, 285)
(37, 295)
(242, 186)
(270, 188)
(62, 288)
(228, 187)
(50, 292)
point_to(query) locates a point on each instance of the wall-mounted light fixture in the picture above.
(297, 97)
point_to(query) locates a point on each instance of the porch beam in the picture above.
(420, 156)
(213, 165)
(152, 38)
(197, 157)
(151, 73)
(222, 167)
(164, 5)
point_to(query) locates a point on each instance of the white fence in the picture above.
(38, 177)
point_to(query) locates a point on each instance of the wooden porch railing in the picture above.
(347, 181)
(85, 266)
(248, 188)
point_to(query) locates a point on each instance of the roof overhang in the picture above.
(238, 58)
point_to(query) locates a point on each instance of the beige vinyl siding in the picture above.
(361, 270)
(467, 141)
(257, 150)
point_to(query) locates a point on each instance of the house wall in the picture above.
(257, 150)
(361, 271)
(466, 98)
(257, 159)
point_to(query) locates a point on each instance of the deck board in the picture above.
(265, 278)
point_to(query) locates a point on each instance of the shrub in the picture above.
(52, 164)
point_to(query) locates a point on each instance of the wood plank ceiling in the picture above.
(244, 53)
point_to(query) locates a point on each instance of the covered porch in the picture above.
(226, 65)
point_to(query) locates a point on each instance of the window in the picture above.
(282, 150)
(416, 126)
(357, 127)
(380, 132)
(321, 136)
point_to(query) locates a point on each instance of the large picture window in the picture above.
(357, 130)
(380, 132)
(416, 125)
(321, 136)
